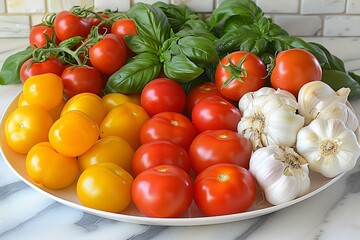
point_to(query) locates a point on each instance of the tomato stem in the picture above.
(236, 71)
(223, 177)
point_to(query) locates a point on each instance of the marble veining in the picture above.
(329, 215)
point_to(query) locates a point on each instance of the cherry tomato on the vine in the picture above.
(214, 112)
(37, 36)
(105, 186)
(98, 22)
(51, 169)
(162, 191)
(80, 79)
(163, 95)
(219, 146)
(67, 25)
(294, 68)
(199, 92)
(171, 126)
(159, 152)
(50, 65)
(224, 189)
(238, 73)
(109, 54)
(123, 27)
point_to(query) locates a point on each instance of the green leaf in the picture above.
(10, 71)
(334, 62)
(71, 42)
(181, 69)
(135, 74)
(151, 22)
(140, 44)
(199, 50)
(337, 79)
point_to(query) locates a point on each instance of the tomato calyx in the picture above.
(236, 71)
(223, 177)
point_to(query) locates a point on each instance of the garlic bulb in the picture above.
(281, 173)
(248, 97)
(329, 147)
(317, 100)
(268, 119)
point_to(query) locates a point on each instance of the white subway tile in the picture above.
(322, 6)
(57, 6)
(149, 1)
(196, 5)
(299, 25)
(279, 6)
(342, 25)
(120, 5)
(14, 26)
(2, 6)
(353, 6)
(36, 19)
(25, 6)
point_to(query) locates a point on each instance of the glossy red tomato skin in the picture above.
(67, 25)
(109, 54)
(163, 95)
(199, 92)
(80, 79)
(294, 68)
(50, 65)
(171, 126)
(214, 112)
(163, 191)
(224, 189)
(219, 146)
(159, 152)
(37, 36)
(124, 27)
(255, 75)
(103, 28)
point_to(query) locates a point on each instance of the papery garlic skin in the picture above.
(328, 146)
(317, 100)
(268, 120)
(281, 173)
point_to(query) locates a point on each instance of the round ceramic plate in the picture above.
(193, 216)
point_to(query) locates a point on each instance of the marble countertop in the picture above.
(331, 214)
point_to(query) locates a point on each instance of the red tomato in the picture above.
(162, 191)
(109, 54)
(224, 189)
(163, 95)
(67, 25)
(103, 28)
(159, 152)
(219, 146)
(215, 112)
(50, 65)
(244, 76)
(293, 68)
(80, 79)
(199, 92)
(171, 126)
(37, 36)
(122, 28)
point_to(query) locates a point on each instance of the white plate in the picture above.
(67, 196)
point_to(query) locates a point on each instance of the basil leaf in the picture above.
(181, 69)
(198, 49)
(10, 70)
(151, 22)
(140, 44)
(71, 42)
(334, 62)
(135, 74)
(337, 79)
(196, 32)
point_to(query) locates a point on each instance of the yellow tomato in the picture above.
(89, 103)
(51, 169)
(54, 113)
(108, 149)
(73, 134)
(106, 187)
(27, 126)
(112, 100)
(44, 90)
(124, 121)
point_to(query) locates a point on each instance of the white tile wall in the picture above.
(298, 17)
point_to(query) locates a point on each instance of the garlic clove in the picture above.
(329, 147)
